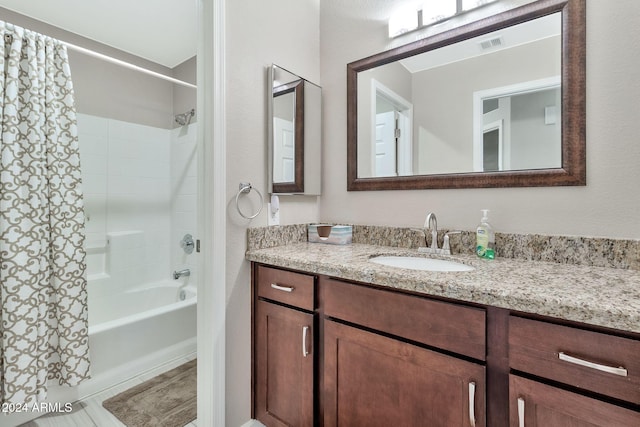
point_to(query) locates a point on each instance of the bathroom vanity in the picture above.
(339, 340)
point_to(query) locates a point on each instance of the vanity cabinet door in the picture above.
(284, 366)
(372, 380)
(533, 404)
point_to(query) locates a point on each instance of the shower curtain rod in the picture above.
(9, 37)
(126, 64)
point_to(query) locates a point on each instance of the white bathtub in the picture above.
(111, 311)
(138, 329)
(130, 332)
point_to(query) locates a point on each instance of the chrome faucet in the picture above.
(431, 225)
(431, 218)
(181, 273)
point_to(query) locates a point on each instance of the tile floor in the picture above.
(90, 413)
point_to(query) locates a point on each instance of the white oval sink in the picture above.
(419, 263)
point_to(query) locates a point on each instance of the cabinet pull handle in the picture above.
(472, 404)
(282, 288)
(604, 368)
(520, 412)
(305, 332)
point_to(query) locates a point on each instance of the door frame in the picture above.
(211, 282)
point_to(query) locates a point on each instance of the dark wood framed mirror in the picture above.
(288, 139)
(294, 133)
(565, 166)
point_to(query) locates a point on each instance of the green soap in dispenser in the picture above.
(485, 238)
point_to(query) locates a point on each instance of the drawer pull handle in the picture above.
(305, 332)
(282, 288)
(604, 368)
(520, 412)
(472, 404)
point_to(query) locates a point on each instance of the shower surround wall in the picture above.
(140, 199)
(184, 193)
(126, 179)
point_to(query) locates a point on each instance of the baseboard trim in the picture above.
(253, 423)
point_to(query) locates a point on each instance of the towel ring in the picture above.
(245, 188)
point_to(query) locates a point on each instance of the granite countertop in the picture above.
(599, 296)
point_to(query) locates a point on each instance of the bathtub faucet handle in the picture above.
(187, 244)
(181, 273)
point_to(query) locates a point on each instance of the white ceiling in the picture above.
(162, 31)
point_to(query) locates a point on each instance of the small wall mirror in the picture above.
(499, 102)
(294, 133)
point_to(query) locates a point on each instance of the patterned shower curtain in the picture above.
(43, 299)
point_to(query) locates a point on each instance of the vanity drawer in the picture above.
(447, 326)
(594, 361)
(287, 287)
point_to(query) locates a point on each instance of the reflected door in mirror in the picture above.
(284, 136)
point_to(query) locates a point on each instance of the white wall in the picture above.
(258, 33)
(534, 143)
(607, 206)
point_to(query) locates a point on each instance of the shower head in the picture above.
(185, 118)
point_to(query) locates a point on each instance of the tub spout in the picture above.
(178, 274)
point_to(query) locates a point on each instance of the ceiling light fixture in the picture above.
(403, 21)
(429, 12)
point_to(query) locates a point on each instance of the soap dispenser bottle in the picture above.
(485, 238)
